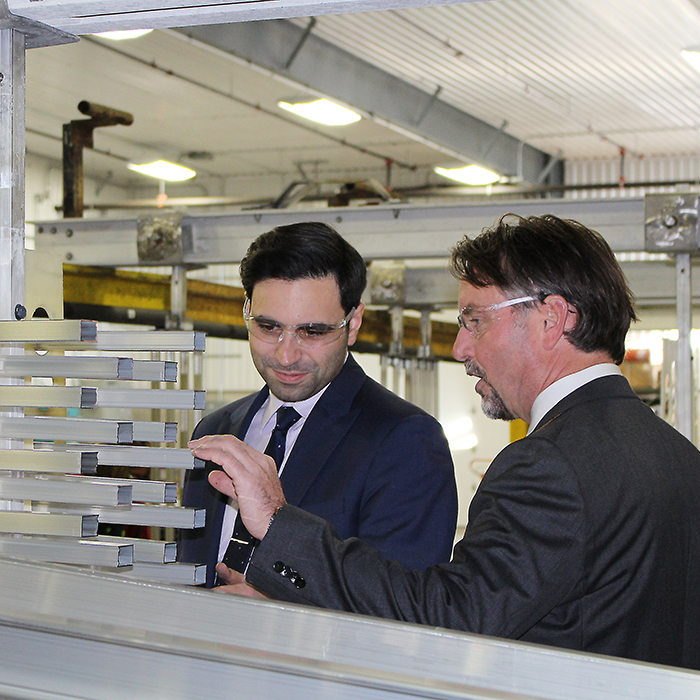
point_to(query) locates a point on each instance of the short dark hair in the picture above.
(306, 250)
(543, 255)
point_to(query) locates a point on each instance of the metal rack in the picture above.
(52, 497)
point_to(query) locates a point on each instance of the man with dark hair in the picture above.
(346, 449)
(584, 534)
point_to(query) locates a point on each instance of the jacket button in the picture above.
(300, 582)
(278, 567)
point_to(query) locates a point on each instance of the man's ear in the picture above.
(355, 323)
(559, 316)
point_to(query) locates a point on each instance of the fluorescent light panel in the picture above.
(163, 170)
(692, 55)
(122, 34)
(322, 111)
(469, 175)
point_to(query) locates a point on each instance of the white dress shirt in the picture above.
(560, 389)
(257, 436)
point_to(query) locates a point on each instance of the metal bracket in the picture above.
(163, 239)
(37, 34)
(387, 283)
(671, 223)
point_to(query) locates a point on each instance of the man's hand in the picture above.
(250, 478)
(234, 583)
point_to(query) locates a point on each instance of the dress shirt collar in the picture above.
(560, 389)
(303, 408)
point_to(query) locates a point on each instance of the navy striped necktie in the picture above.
(242, 543)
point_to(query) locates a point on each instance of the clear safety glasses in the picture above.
(306, 334)
(478, 319)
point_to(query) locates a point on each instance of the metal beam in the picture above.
(323, 68)
(380, 232)
(87, 16)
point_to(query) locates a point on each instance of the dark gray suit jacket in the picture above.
(583, 535)
(372, 464)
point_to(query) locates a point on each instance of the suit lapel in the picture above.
(328, 423)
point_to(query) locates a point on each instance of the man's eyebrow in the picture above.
(262, 317)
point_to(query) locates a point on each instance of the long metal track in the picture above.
(99, 636)
(382, 232)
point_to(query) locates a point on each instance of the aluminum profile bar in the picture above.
(153, 431)
(48, 396)
(149, 398)
(378, 233)
(82, 367)
(47, 461)
(163, 341)
(155, 370)
(94, 625)
(142, 490)
(47, 331)
(57, 524)
(66, 550)
(146, 551)
(90, 16)
(148, 516)
(178, 573)
(137, 456)
(68, 367)
(51, 428)
(56, 489)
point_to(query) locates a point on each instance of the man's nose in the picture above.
(288, 349)
(463, 347)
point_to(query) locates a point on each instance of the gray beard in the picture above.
(492, 403)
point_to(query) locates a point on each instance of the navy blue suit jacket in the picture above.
(372, 464)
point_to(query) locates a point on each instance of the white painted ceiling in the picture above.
(578, 79)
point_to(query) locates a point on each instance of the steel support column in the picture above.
(12, 136)
(684, 373)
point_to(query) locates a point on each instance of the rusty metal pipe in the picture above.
(107, 116)
(78, 134)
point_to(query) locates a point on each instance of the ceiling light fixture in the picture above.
(121, 34)
(469, 175)
(322, 111)
(163, 170)
(692, 55)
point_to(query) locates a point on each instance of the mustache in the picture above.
(474, 369)
(296, 367)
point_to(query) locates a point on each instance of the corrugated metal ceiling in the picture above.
(580, 76)
(577, 77)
